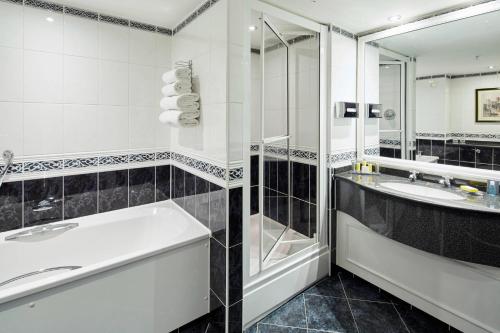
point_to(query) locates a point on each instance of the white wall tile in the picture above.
(11, 25)
(39, 33)
(142, 124)
(80, 128)
(43, 129)
(81, 80)
(142, 47)
(114, 83)
(43, 77)
(11, 133)
(11, 77)
(142, 87)
(114, 40)
(163, 50)
(112, 127)
(81, 36)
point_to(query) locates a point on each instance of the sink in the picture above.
(423, 191)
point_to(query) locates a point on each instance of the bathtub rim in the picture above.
(14, 293)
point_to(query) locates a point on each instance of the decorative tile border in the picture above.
(375, 151)
(343, 32)
(337, 158)
(390, 142)
(201, 166)
(92, 15)
(197, 12)
(297, 153)
(462, 136)
(457, 76)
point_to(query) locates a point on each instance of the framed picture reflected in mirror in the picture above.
(488, 105)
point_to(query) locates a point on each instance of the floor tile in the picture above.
(266, 328)
(330, 286)
(291, 314)
(357, 288)
(251, 329)
(418, 321)
(329, 314)
(376, 317)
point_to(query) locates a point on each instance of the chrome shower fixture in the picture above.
(8, 157)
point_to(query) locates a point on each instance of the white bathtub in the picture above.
(143, 269)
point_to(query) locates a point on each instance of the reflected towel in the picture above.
(177, 88)
(179, 119)
(176, 74)
(184, 102)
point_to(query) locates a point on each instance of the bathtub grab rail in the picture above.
(40, 230)
(41, 271)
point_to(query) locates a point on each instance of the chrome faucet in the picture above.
(413, 176)
(446, 181)
(8, 157)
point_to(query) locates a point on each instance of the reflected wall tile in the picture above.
(42, 201)
(312, 220)
(235, 277)
(273, 205)
(162, 182)
(80, 195)
(202, 204)
(282, 176)
(273, 174)
(438, 148)
(452, 152)
(496, 156)
(282, 209)
(189, 193)
(467, 154)
(218, 269)
(254, 170)
(218, 213)
(300, 216)
(11, 206)
(113, 190)
(178, 186)
(235, 318)
(235, 215)
(485, 155)
(300, 180)
(312, 183)
(141, 186)
(424, 146)
(254, 200)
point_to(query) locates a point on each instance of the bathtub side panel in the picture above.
(153, 295)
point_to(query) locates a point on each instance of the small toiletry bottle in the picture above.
(491, 188)
(358, 167)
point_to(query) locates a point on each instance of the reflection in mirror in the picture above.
(440, 93)
(285, 94)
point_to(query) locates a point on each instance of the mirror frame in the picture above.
(429, 168)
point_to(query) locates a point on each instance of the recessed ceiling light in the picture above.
(252, 28)
(49, 19)
(491, 67)
(394, 18)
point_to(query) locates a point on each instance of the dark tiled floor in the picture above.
(344, 303)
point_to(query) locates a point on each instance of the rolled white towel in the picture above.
(177, 88)
(179, 119)
(176, 74)
(182, 102)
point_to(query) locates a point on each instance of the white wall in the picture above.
(432, 100)
(372, 94)
(463, 104)
(390, 95)
(204, 41)
(343, 89)
(77, 85)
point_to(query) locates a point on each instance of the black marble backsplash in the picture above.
(472, 154)
(61, 198)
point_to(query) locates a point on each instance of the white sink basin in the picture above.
(422, 191)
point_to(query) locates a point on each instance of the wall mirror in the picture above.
(435, 92)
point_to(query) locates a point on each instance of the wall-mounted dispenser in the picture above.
(346, 110)
(374, 110)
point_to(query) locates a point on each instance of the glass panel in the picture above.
(276, 217)
(275, 85)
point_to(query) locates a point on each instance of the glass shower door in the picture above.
(275, 165)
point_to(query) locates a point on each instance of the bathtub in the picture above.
(142, 269)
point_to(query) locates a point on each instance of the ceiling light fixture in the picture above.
(49, 19)
(252, 28)
(395, 18)
(491, 67)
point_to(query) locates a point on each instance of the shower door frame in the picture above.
(264, 141)
(267, 289)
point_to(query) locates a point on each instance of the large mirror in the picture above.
(436, 94)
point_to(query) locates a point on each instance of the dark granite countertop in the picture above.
(482, 202)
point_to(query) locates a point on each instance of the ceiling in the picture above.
(458, 47)
(164, 13)
(358, 16)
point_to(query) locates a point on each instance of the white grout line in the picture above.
(348, 303)
(400, 317)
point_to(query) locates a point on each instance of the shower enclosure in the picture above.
(285, 61)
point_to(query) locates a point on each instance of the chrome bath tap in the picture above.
(413, 176)
(8, 157)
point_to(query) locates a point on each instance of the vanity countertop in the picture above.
(481, 202)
